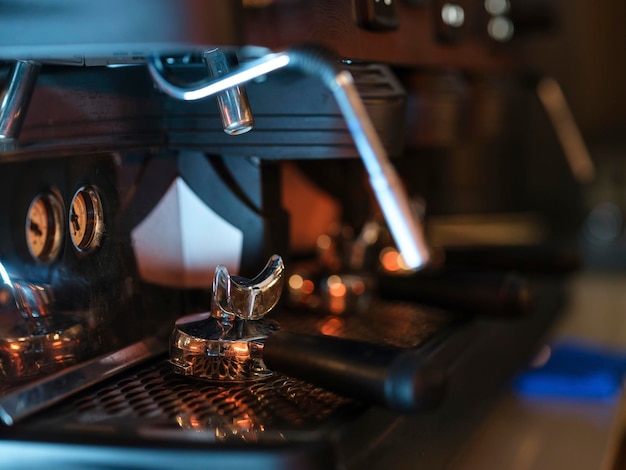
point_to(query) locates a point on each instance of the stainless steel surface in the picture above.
(403, 223)
(244, 73)
(35, 338)
(233, 103)
(23, 402)
(388, 189)
(16, 97)
(153, 402)
(31, 300)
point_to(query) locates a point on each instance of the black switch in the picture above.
(376, 15)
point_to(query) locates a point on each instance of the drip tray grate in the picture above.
(151, 401)
(154, 400)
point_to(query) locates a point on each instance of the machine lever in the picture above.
(390, 193)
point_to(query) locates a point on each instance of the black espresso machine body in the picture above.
(119, 199)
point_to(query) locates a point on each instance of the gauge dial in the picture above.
(43, 226)
(85, 221)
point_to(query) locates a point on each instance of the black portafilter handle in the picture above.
(502, 295)
(402, 380)
(234, 343)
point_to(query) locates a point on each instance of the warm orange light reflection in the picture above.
(337, 305)
(195, 423)
(244, 424)
(336, 287)
(323, 242)
(392, 261)
(389, 260)
(295, 282)
(402, 263)
(337, 290)
(358, 287)
(241, 349)
(308, 287)
(332, 326)
(190, 421)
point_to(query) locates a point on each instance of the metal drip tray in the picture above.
(151, 402)
(148, 417)
(154, 402)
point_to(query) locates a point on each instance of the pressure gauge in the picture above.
(86, 222)
(44, 222)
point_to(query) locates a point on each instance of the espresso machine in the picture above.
(157, 153)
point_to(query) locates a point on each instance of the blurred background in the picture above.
(585, 54)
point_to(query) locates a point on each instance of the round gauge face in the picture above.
(85, 221)
(43, 226)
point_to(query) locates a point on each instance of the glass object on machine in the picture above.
(226, 344)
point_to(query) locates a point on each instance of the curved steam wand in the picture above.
(392, 197)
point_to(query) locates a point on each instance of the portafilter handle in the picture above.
(233, 343)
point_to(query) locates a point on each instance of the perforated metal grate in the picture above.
(154, 400)
(399, 324)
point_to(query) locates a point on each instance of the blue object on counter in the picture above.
(575, 370)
